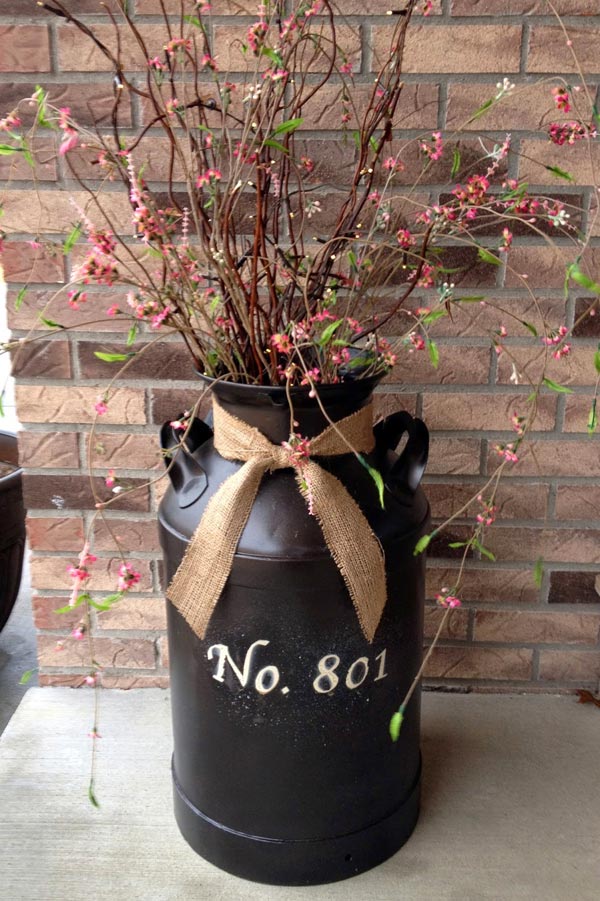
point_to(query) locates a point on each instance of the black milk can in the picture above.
(284, 771)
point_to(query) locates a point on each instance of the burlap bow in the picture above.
(201, 577)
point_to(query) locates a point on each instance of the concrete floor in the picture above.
(511, 806)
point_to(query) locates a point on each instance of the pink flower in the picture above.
(128, 577)
(210, 177)
(434, 148)
(209, 62)
(562, 99)
(70, 140)
(9, 122)
(101, 407)
(507, 452)
(156, 64)
(77, 633)
(448, 600)
(110, 479)
(346, 68)
(178, 44)
(282, 343)
(90, 680)
(405, 238)
(113, 310)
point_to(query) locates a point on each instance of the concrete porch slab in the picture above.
(511, 806)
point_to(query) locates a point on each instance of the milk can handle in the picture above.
(407, 471)
(187, 477)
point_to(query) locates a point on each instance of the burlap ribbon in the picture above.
(201, 577)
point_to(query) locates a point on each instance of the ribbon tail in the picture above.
(355, 549)
(199, 582)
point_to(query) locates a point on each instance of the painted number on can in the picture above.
(330, 670)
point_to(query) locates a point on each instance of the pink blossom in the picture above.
(90, 680)
(211, 176)
(70, 140)
(346, 68)
(562, 99)
(77, 633)
(209, 62)
(568, 132)
(405, 238)
(448, 600)
(110, 479)
(101, 407)
(434, 148)
(128, 577)
(156, 64)
(178, 44)
(113, 310)
(507, 452)
(282, 343)
(340, 356)
(9, 122)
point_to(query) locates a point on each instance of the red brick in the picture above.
(133, 653)
(49, 533)
(554, 458)
(578, 501)
(487, 584)
(89, 103)
(118, 449)
(48, 450)
(73, 492)
(579, 160)
(558, 545)
(64, 680)
(568, 587)
(24, 263)
(16, 167)
(536, 628)
(577, 412)
(455, 626)
(521, 109)
(454, 48)
(226, 7)
(548, 50)
(43, 211)
(75, 404)
(545, 266)
(77, 54)
(91, 316)
(24, 48)
(481, 411)
(534, 361)
(228, 40)
(480, 663)
(570, 666)
(46, 617)
(589, 326)
(167, 403)
(134, 535)
(156, 362)
(51, 572)
(387, 403)
(142, 614)
(454, 456)
(457, 366)
(512, 501)
(417, 107)
(44, 360)
(523, 7)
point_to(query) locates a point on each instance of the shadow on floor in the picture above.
(17, 653)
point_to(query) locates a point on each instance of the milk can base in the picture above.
(300, 862)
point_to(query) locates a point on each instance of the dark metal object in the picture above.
(284, 770)
(12, 527)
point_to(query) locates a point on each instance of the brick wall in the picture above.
(509, 633)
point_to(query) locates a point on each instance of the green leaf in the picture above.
(276, 145)
(455, 544)
(582, 279)
(272, 55)
(193, 20)
(432, 317)
(50, 322)
(554, 386)
(530, 328)
(7, 150)
(40, 96)
(92, 796)
(487, 257)
(434, 354)
(483, 550)
(112, 358)
(132, 335)
(538, 572)
(329, 331)
(560, 173)
(373, 143)
(287, 126)
(376, 476)
(474, 298)
(455, 163)
(20, 298)
(72, 238)
(396, 724)
(26, 676)
(597, 359)
(421, 544)
(79, 601)
(482, 109)
(1, 404)
(592, 423)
